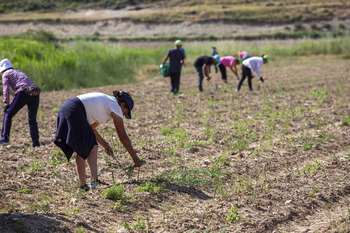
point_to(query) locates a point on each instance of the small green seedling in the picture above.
(24, 190)
(233, 215)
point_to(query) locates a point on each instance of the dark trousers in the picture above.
(200, 77)
(19, 101)
(246, 72)
(175, 81)
(223, 72)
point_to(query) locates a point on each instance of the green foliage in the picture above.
(73, 212)
(222, 160)
(313, 191)
(345, 121)
(125, 225)
(233, 215)
(119, 205)
(57, 158)
(19, 226)
(151, 187)
(76, 64)
(139, 224)
(116, 193)
(311, 168)
(166, 130)
(24, 190)
(192, 177)
(34, 166)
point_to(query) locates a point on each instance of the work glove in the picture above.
(261, 79)
(161, 66)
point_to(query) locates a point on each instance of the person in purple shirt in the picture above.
(26, 92)
(176, 60)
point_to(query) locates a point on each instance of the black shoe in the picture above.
(84, 187)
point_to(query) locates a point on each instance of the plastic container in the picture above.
(165, 70)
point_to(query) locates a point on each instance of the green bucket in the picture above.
(164, 71)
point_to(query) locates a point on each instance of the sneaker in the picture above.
(94, 184)
(236, 90)
(36, 144)
(6, 143)
(84, 187)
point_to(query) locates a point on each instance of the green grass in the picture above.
(83, 64)
(79, 64)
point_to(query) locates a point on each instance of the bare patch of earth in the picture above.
(113, 23)
(282, 151)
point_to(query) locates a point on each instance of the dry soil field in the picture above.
(278, 156)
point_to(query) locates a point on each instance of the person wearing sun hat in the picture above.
(77, 121)
(250, 65)
(202, 65)
(26, 92)
(177, 57)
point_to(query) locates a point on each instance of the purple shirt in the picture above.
(16, 80)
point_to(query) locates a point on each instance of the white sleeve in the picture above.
(255, 68)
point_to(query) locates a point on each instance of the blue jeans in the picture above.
(19, 101)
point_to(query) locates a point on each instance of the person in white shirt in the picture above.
(77, 121)
(250, 65)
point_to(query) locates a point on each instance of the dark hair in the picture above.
(118, 95)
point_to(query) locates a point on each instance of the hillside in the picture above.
(166, 18)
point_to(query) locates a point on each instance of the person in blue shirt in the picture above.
(176, 57)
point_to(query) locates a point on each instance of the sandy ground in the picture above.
(280, 154)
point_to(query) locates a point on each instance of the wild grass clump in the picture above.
(78, 64)
(151, 187)
(116, 193)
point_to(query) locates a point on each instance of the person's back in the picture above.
(175, 56)
(228, 61)
(253, 63)
(17, 79)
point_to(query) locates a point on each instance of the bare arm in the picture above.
(123, 137)
(234, 70)
(101, 141)
(205, 71)
(165, 60)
